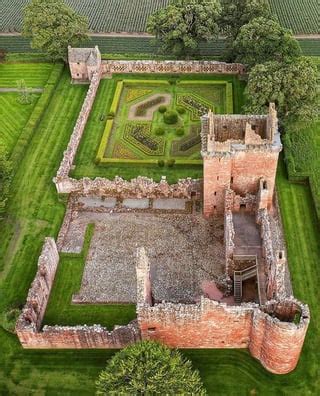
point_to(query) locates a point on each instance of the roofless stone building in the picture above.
(240, 155)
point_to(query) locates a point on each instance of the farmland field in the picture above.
(130, 16)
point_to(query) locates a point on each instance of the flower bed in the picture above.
(139, 135)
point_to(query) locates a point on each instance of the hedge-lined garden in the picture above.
(153, 121)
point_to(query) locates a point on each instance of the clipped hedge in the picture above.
(229, 98)
(104, 141)
(37, 113)
(116, 98)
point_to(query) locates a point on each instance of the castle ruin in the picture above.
(238, 295)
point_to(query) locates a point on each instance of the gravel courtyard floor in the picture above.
(184, 250)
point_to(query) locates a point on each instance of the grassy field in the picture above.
(35, 75)
(13, 117)
(35, 211)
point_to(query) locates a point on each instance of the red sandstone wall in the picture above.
(216, 175)
(277, 344)
(79, 337)
(246, 168)
(209, 325)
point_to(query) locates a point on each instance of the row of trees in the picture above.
(277, 71)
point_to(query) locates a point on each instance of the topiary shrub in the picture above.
(159, 131)
(161, 163)
(170, 117)
(162, 109)
(171, 162)
(149, 368)
(180, 132)
(181, 110)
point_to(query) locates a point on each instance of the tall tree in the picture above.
(291, 85)
(52, 26)
(263, 40)
(181, 26)
(236, 13)
(148, 368)
(5, 179)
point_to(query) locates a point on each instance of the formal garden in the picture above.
(150, 124)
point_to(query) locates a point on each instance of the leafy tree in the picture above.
(184, 24)
(291, 85)
(52, 26)
(236, 13)
(149, 368)
(5, 179)
(263, 40)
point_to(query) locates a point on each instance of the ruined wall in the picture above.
(141, 187)
(142, 66)
(278, 343)
(70, 153)
(210, 324)
(76, 337)
(275, 260)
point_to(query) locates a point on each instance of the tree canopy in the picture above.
(236, 13)
(182, 25)
(52, 26)
(149, 368)
(263, 40)
(5, 179)
(291, 85)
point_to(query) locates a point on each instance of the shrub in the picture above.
(161, 163)
(110, 115)
(180, 132)
(171, 162)
(162, 109)
(159, 131)
(149, 368)
(116, 98)
(141, 110)
(170, 117)
(181, 110)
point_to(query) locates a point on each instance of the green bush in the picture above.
(159, 131)
(110, 115)
(161, 163)
(181, 110)
(171, 162)
(162, 109)
(180, 132)
(116, 98)
(149, 368)
(170, 117)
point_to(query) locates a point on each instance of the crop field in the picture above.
(110, 144)
(131, 16)
(36, 211)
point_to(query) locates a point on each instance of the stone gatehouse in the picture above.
(204, 260)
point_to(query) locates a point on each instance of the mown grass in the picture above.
(13, 117)
(35, 75)
(34, 211)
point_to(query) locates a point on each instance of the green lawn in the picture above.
(35, 211)
(13, 117)
(34, 74)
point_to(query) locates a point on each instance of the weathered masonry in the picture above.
(250, 304)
